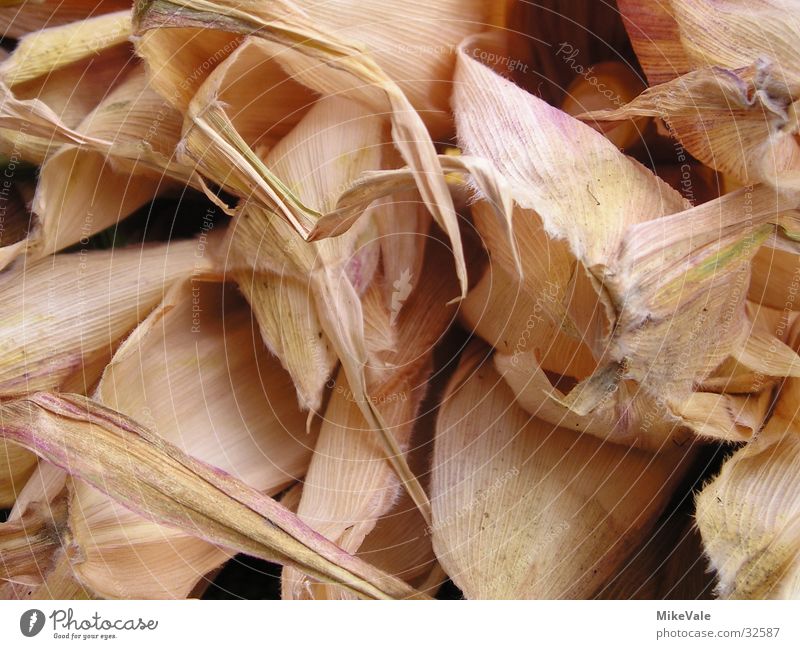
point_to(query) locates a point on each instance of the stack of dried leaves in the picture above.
(465, 290)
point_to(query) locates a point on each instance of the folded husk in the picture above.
(43, 52)
(40, 115)
(739, 122)
(326, 64)
(337, 136)
(661, 283)
(82, 192)
(194, 374)
(28, 544)
(350, 486)
(522, 509)
(42, 341)
(97, 445)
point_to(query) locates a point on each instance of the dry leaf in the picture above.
(522, 509)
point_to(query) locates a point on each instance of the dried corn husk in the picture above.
(42, 342)
(341, 64)
(82, 192)
(744, 53)
(220, 137)
(197, 348)
(336, 139)
(29, 543)
(522, 509)
(262, 102)
(20, 17)
(168, 486)
(656, 39)
(42, 114)
(350, 486)
(45, 484)
(16, 466)
(655, 302)
(45, 51)
(747, 515)
(330, 147)
(733, 33)
(179, 60)
(42, 505)
(740, 122)
(289, 325)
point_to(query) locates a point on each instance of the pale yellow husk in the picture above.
(523, 509)
(350, 486)
(84, 191)
(195, 374)
(65, 312)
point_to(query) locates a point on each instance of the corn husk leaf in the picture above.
(27, 544)
(18, 17)
(46, 482)
(523, 509)
(196, 348)
(656, 39)
(33, 118)
(60, 582)
(174, 489)
(242, 109)
(334, 269)
(763, 359)
(84, 191)
(400, 544)
(739, 122)
(661, 281)
(350, 486)
(747, 515)
(303, 44)
(289, 325)
(402, 225)
(278, 270)
(45, 51)
(179, 60)
(732, 34)
(38, 568)
(43, 344)
(463, 172)
(503, 311)
(42, 114)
